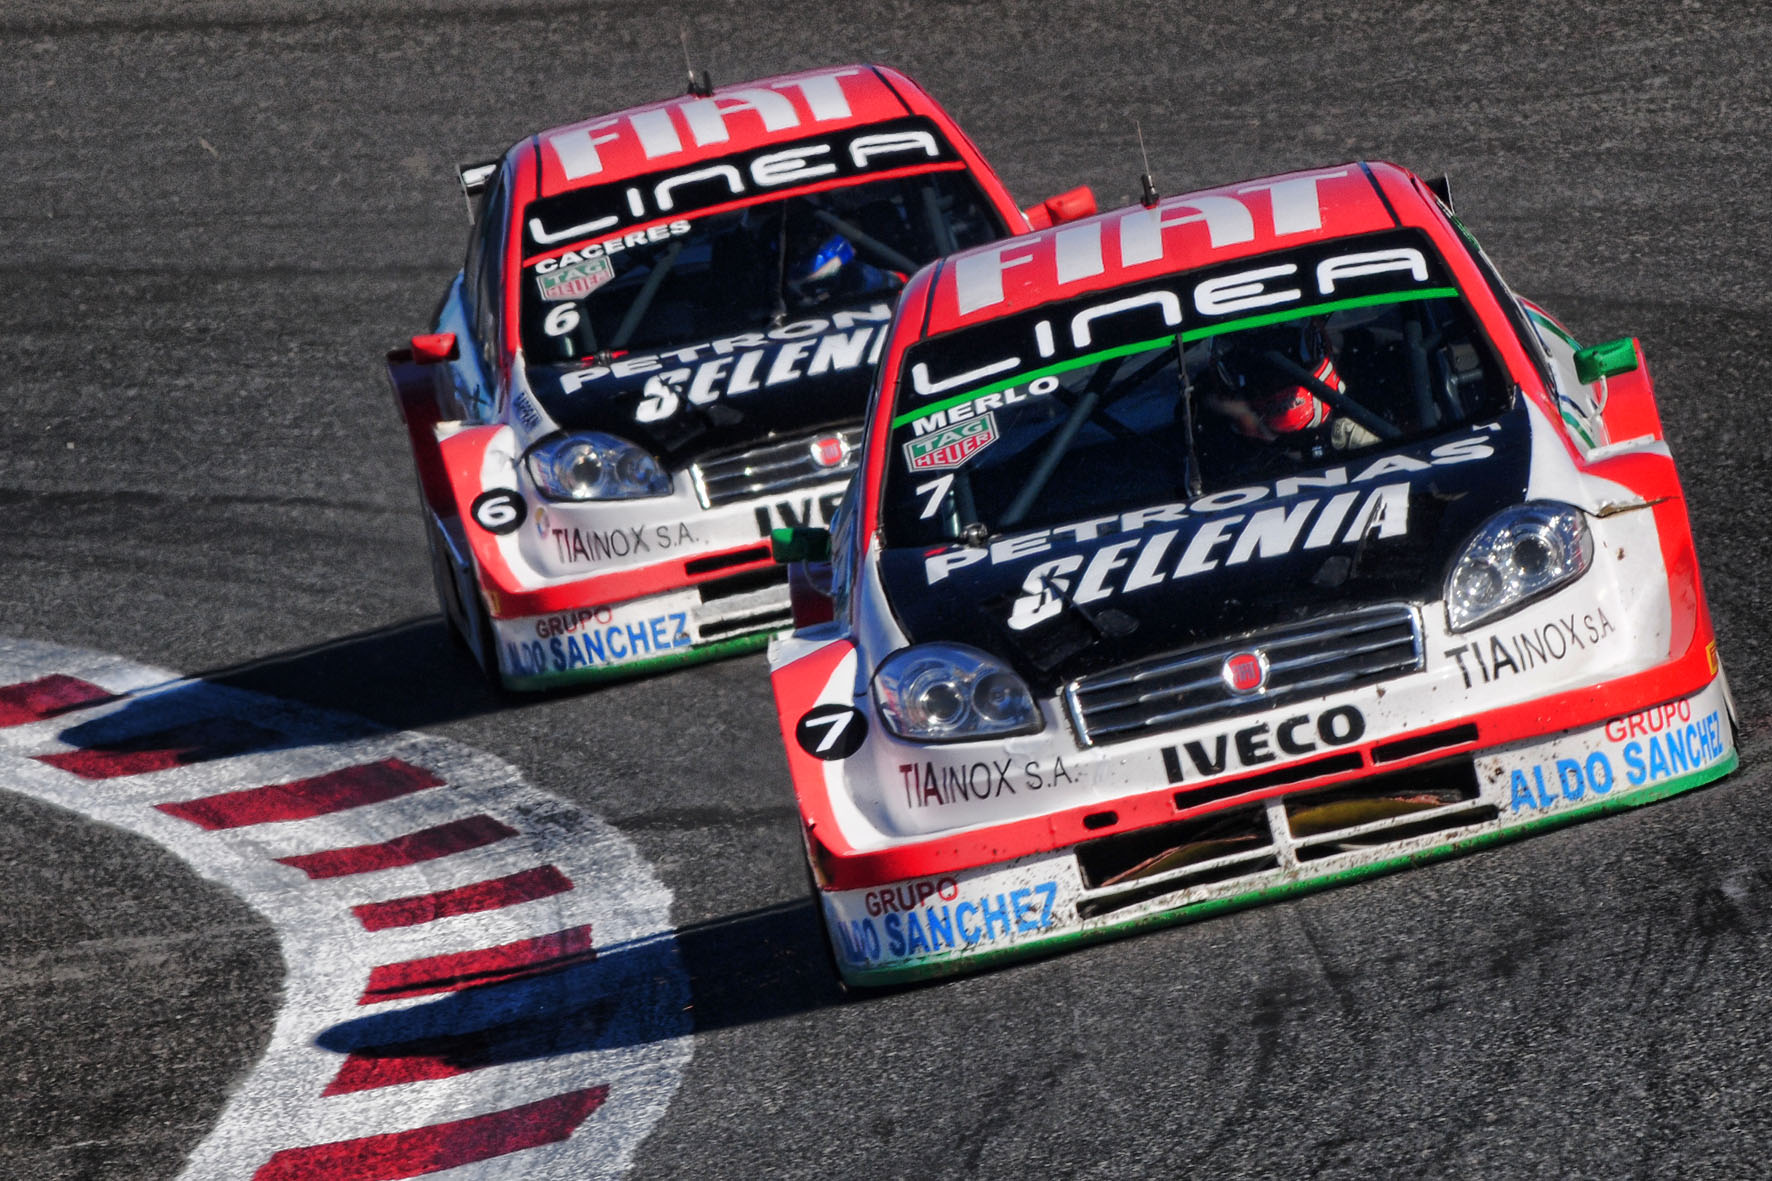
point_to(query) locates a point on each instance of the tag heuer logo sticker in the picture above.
(576, 280)
(953, 446)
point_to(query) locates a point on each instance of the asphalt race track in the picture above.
(218, 214)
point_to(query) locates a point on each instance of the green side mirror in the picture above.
(800, 544)
(1606, 360)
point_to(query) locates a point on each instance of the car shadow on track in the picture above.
(754, 966)
(406, 676)
(758, 966)
(402, 677)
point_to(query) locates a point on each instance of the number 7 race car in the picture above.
(1206, 552)
(659, 349)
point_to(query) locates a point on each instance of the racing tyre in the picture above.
(845, 990)
(469, 622)
(443, 581)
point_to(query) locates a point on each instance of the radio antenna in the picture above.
(700, 85)
(1146, 181)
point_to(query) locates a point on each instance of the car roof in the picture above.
(678, 132)
(1177, 233)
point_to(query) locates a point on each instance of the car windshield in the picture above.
(744, 269)
(1129, 425)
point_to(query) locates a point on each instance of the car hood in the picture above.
(809, 373)
(1067, 602)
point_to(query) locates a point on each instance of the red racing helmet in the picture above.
(1294, 408)
(1263, 396)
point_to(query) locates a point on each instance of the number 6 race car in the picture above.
(660, 347)
(1210, 551)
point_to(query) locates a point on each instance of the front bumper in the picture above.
(1283, 844)
(589, 644)
(588, 591)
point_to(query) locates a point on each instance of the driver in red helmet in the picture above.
(1262, 398)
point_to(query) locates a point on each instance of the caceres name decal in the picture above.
(599, 252)
(1396, 265)
(657, 196)
(1264, 742)
(948, 918)
(746, 363)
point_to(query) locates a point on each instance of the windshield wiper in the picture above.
(779, 316)
(1196, 484)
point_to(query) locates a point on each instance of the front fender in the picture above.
(464, 456)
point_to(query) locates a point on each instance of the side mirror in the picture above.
(800, 544)
(1627, 402)
(1607, 360)
(1067, 206)
(434, 347)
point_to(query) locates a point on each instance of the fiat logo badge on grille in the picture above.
(1245, 672)
(829, 451)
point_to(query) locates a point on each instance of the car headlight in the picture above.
(948, 692)
(1518, 555)
(589, 465)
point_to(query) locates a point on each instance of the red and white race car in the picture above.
(1213, 550)
(659, 349)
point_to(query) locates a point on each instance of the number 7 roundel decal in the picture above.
(832, 731)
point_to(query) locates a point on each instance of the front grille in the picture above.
(744, 604)
(776, 467)
(1124, 870)
(1245, 848)
(1386, 809)
(1309, 658)
(743, 557)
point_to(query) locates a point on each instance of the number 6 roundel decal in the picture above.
(498, 511)
(831, 731)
